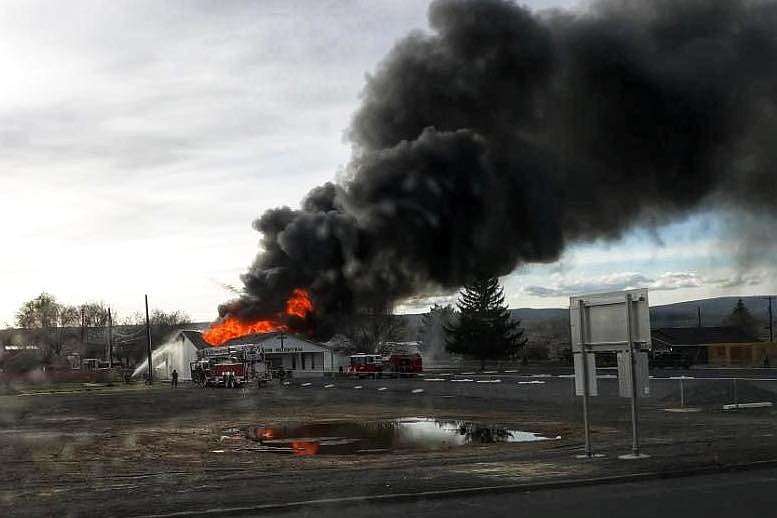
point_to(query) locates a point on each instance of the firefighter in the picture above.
(175, 378)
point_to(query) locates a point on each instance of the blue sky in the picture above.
(138, 140)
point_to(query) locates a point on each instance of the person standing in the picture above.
(175, 378)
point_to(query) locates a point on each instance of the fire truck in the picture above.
(403, 364)
(365, 365)
(229, 367)
(376, 366)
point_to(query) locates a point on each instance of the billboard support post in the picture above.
(634, 395)
(586, 423)
(633, 374)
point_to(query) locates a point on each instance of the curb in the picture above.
(465, 491)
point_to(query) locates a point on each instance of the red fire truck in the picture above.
(403, 364)
(229, 367)
(365, 365)
(375, 365)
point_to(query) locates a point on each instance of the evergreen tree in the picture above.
(740, 317)
(484, 329)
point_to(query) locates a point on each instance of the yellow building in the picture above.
(716, 346)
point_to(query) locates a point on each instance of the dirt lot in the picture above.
(137, 450)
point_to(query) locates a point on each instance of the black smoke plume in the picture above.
(502, 136)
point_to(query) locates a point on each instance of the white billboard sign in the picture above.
(605, 327)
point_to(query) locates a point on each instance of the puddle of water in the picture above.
(381, 436)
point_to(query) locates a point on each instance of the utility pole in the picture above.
(771, 322)
(148, 345)
(698, 309)
(110, 339)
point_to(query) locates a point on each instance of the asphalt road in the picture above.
(742, 495)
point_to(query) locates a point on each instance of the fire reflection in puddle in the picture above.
(382, 436)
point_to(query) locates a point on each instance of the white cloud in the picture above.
(560, 285)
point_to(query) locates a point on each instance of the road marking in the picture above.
(488, 381)
(306, 385)
(417, 391)
(489, 372)
(542, 375)
(463, 380)
(435, 379)
(534, 382)
(761, 404)
(510, 372)
(467, 373)
(358, 387)
(381, 388)
(330, 385)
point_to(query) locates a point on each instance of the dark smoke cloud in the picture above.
(502, 136)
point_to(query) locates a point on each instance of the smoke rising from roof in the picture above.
(502, 136)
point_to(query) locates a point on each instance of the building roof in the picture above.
(195, 337)
(701, 335)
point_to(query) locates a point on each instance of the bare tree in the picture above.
(368, 332)
(45, 318)
(433, 330)
(131, 343)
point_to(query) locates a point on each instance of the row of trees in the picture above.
(46, 321)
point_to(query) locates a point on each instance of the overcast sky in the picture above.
(138, 140)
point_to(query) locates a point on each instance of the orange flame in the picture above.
(299, 305)
(304, 448)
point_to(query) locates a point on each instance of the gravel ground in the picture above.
(137, 450)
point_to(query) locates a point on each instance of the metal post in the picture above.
(148, 345)
(736, 396)
(110, 340)
(682, 393)
(633, 374)
(771, 320)
(584, 357)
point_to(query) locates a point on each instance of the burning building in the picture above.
(300, 356)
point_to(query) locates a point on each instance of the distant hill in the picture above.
(680, 314)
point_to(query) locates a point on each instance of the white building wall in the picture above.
(173, 355)
(318, 359)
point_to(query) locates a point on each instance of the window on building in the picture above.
(312, 361)
(303, 360)
(293, 362)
